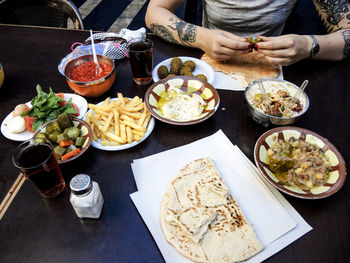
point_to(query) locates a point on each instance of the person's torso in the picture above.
(247, 17)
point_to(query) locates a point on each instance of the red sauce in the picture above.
(87, 71)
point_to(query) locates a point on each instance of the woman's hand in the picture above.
(222, 45)
(285, 50)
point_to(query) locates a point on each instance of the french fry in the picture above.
(105, 103)
(109, 143)
(134, 115)
(135, 132)
(126, 118)
(142, 118)
(145, 123)
(98, 134)
(121, 99)
(134, 126)
(116, 123)
(136, 137)
(113, 137)
(128, 134)
(108, 122)
(134, 102)
(122, 131)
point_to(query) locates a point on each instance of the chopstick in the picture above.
(11, 194)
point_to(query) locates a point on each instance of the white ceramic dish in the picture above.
(26, 135)
(97, 144)
(202, 67)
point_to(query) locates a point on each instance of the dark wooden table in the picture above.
(35, 229)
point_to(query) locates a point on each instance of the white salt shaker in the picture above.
(85, 197)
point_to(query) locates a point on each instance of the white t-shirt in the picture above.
(247, 17)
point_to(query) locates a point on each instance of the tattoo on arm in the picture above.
(346, 36)
(332, 12)
(186, 32)
(163, 32)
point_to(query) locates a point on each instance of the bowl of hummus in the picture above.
(182, 100)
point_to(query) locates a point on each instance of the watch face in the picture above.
(316, 49)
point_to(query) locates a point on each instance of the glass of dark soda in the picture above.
(141, 60)
(37, 161)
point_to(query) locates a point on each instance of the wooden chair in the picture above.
(50, 13)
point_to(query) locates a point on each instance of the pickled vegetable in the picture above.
(80, 141)
(59, 151)
(72, 132)
(52, 126)
(65, 121)
(70, 148)
(53, 136)
(62, 137)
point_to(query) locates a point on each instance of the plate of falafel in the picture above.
(184, 66)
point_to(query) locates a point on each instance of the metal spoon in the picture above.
(301, 89)
(98, 68)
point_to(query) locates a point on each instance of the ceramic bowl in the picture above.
(273, 85)
(86, 132)
(90, 88)
(337, 175)
(189, 85)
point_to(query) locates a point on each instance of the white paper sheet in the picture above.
(276, 223)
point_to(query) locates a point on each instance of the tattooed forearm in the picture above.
(332, 12)
(186, 32)
(346, 36)
(163, 32)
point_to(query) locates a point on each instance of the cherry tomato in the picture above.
(29, 122)
(76, 108)
(60, 95)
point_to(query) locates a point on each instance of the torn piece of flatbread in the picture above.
(201, 219)
(245, 68)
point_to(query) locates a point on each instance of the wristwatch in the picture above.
(315, 46)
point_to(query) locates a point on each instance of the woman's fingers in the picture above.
(285, 50)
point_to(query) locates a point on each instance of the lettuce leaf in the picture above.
(46, 107)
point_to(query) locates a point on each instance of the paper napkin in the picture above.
(274, 220)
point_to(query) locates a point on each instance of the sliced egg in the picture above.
(16, 125)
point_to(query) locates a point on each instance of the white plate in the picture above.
(26, 135)
(97, 144)
(202, 67)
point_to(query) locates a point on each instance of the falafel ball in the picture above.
(163, 72)
(171, 75)
(175, 65)
(191, 64)
(201, 76)
(185, 71)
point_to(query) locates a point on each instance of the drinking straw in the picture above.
(94, 52)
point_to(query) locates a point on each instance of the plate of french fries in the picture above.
(119, 123)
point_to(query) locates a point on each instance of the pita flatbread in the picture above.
(245, 68)
(201, 219)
